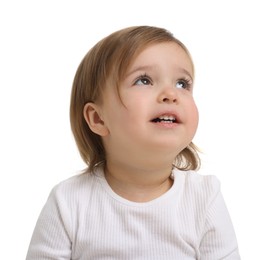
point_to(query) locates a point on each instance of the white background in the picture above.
(43, 42)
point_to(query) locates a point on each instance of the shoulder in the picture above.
(74, 188)
(195, 186)
(195, 179)
(77, 181)
(210, 182)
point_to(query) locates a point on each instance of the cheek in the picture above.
(196, 114)
(193, 116)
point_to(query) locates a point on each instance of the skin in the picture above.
(140, 151)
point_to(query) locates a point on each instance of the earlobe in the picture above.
(93, 119)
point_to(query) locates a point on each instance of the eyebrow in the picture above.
(140, 68)
(144, 68)
(186, 72)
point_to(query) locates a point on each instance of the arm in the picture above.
(219, 240)
(50, 238)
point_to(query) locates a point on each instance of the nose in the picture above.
(168, 95)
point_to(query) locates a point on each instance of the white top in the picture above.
(84, 219)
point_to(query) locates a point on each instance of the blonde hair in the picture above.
(105, 65)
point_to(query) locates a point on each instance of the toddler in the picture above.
(134, 117)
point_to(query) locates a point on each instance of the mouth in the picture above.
(168, 119)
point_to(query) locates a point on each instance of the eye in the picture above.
(184, 84)
(143, 80)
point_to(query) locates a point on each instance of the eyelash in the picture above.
(142, 78)
(187, 82)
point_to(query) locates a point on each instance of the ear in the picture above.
(92, 116)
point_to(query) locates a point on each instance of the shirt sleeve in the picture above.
(219, 239)
(50, 239)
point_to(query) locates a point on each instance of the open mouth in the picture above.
(165, 119)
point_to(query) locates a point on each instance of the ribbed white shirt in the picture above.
(84, 219)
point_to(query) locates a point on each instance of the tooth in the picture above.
(167, 118)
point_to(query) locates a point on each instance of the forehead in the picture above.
(159, 54)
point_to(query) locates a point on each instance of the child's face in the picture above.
(157, 112)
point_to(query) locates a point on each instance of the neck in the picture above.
(138, 184)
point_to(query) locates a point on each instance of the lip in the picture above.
(166, 113)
